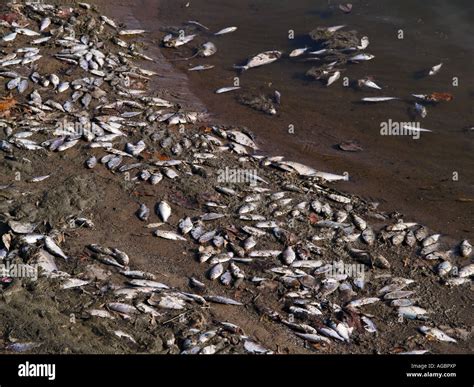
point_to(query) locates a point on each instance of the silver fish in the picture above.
(226, 30)
(143, 212)
(227, 89)
(201, 68)
(435, 69)
(261, 59)
(164, 211)
(169, 235)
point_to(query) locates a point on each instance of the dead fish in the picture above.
(137, 274)
(222, 300)
(185, 225)
(108, 21)
(435, 69)
(196, 283)
(334, 28)
(45, 23)
(242, 139)
(412, 312)
(227, 89)
(368, 83)
(346, 8)
(333, 78)
(147, 309)
(457, 281)
(313, 338)
(148, 284)
(207, 49)
(466, 271)
(369, 325)
(361, 57)
(201, 67)
(368, 236)
(246, 208)
(253, 347)
(91, 162)
(122, 308)
(465, 248)
(164, 211)
(13, 83)
(198, 24)
(436, 333)
(402, 302)
(378, 99)
(9, 37)
(100, 313)
(22, 347)
(169, 235)
(444, 268)
(420, 110)
(53, 248)
(73, 283)
(362, 301)
(216, 271)
(288, 255)
(297, 52)
(173, 41)
(226, 30)
(131, 32)
(398, 294)
(143, 212)
(430, 240)
(364, 43)
(261, 59)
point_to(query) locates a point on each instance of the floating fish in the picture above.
(227, 89)
(334, 28)
(333, 78)
(368, 83)
(201, 68)
(361, 57)
(226, 30)
(435, 69)
(297, 52)
(131, 32)
(378, 99)
(364, 43)
(261, 59)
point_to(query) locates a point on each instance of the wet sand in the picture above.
(414, 177)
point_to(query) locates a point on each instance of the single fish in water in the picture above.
(435, 69)
(226, 30)
(261, 59)
(227, 89)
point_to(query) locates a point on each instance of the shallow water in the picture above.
(413, 176)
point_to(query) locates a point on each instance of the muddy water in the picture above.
(428, 179)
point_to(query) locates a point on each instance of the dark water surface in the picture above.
(412, 176)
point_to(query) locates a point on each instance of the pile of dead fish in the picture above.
(279, 228)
